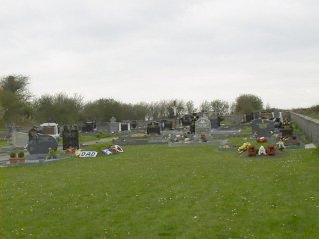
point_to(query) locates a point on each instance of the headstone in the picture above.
(186, 120)
(153, 128)
(19, 139)
(287, 129)
(166, 125)
(133, 124)
(203, 127)
(103, 127)
(89, 126)
(114, 126)
(248, 117)
(125, 126)
(49, 129)
(41, 143)
(215, 123)
(70, 137)
(262, 128)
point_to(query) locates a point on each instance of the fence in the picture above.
(308, 125)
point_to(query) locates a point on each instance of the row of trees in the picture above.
(19, 108)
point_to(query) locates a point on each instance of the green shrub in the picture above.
(13, 155)
(21, 154)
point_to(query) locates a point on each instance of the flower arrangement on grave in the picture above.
(77, 152)
(114, 149)
(21, 157)
(70, 150)
(244, 147)
(262, 151)
(280, 145)
(271, 150)
(262, 140)
(251, 151)
(13, 158)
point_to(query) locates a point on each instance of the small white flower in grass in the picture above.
(195, 217)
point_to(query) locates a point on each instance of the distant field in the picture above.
(315, 116)
(162, 192)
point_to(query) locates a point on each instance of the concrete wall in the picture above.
(309, 126)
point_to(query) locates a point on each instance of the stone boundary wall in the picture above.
(308, 125)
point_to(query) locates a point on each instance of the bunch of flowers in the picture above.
(271, 150)
(251, 151)
(261, 139)
(244, 147)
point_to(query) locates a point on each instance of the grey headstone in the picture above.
(114, 126)
(203, 127)
(215, 123)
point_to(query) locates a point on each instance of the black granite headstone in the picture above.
(70, 137)
(262, 127)
(153, 128)
(41, 143)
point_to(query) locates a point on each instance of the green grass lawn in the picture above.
(162, 192)
(314, 115)
(91, 137)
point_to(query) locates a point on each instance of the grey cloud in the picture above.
(189, 49)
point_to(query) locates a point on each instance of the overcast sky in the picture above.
(144, 50)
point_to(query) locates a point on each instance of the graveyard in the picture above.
(199, 180)
(181, 192)
(159, 119)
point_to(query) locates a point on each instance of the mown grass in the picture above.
(246, 129)
(92, 137)
(314, 115)
(162, 192)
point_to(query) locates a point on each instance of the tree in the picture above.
(190, 108)
(248, 103)
(103, 110)
(220, 107)
(59, 108)
(205, 106)
(15, 99)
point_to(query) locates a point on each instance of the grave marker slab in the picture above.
(19, 139)
(203, 127)
(262, 128)
(41, 143)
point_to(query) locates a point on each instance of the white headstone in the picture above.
(20, 139)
